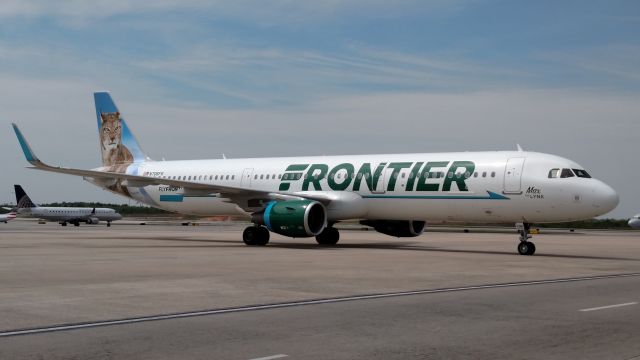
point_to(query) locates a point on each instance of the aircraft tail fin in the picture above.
(22, 199)
(118, 145)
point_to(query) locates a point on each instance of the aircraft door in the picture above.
(513, 176)
(246, 178)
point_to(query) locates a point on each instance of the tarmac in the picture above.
(167, 291)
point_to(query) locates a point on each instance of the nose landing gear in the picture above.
(525, 247)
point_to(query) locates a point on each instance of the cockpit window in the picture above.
(553, 173)
(566, 173)
(581, 173)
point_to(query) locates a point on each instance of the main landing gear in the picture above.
(525, 247)
(328, 236)
(255, 235)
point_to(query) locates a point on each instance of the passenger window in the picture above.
(553, 173)
(566, 173)
(484, 174)
(493, 174)
(475, 174)
(233, 177)
(279, 176)
(227, 178)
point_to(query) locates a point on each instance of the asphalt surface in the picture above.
(172, 292)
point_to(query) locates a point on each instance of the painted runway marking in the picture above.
(189, 314)
(271, 357)
(609, 306)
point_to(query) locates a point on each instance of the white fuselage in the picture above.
(70, 214)
(480, 187)
(7, 217)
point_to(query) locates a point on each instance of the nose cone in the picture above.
(118, 216)
(605, 198)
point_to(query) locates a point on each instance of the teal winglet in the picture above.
(26, 149)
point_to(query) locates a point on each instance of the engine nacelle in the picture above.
(93, 221)
(397, 228)
(293, 218)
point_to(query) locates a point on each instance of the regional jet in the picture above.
(634, 222)
(63, 215)
(395, 194)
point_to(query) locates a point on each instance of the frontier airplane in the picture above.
(396, 194)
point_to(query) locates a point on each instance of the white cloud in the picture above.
(264, 12)
(621, 61)
(272, 75)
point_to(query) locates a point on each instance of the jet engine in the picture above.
(397, 228)
(93, 221)
(293, 218)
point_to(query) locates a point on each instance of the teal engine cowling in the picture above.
(397, 228)
(293, 218)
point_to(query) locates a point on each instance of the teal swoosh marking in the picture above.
(491, 196)
(172, 198)
(180, 197)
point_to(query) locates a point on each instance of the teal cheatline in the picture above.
(491, 196)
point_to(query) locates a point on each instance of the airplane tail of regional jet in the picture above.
(118, 145)
(22, 199)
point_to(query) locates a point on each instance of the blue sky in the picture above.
(268, 78)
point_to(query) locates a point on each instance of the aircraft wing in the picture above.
(241, 196)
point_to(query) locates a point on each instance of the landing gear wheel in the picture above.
(63, 224)
(108, 223)
(255, 235)
(526, 248)
(76, 224)
(328, 236)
